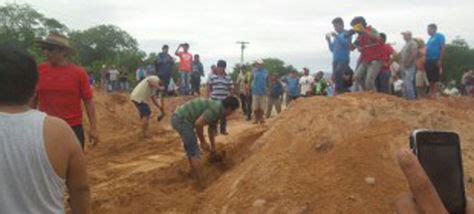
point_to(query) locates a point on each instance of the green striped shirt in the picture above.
(193, 109)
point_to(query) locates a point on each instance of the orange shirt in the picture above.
(185, 62)
(420, 61)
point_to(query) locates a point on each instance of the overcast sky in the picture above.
(292, 30)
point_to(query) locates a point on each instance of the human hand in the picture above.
(94, 137)
(423, 197)
(328, 36)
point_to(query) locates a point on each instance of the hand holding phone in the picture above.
(435, 174)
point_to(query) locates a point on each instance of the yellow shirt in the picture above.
(143, 91)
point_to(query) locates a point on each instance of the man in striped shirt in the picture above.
(194, 115)
(220, 86)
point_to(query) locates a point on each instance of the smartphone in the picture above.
(439, 153)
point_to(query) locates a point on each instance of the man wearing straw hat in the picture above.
(63, 85)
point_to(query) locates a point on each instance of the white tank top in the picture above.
(28, 182)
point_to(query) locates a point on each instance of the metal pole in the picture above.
(242, 48)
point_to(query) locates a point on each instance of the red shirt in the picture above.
(387, 52)
(371, 49)
(60, 91)
(185, 62)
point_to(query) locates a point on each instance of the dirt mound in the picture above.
(129, 174)
(313, 158)
(316, 157)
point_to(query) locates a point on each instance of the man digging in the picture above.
(189, 120)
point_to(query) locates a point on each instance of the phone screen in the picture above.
(439, 154)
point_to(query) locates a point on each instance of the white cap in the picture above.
(259, 61)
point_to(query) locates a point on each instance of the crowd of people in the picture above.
(113, 80)
(41, 128)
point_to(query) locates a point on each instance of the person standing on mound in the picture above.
(259, 91)
(306, 83)
(293, 85)
(371, 48)
(340, 46)
(141, 95)
(435, 48)
(220, 86)
(189, 120)
(185, 67)
(63, 85)
(275, 95)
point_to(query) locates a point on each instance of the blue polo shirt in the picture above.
(259, 85)
(340, 47)
(434, 45)
(293, 86)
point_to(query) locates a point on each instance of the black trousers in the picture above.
(243, 103)
(79, 131)
(248, 106)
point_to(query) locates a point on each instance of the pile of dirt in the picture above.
(318, 154)
(129, 174)
(313, 158)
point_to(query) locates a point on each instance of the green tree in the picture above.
(459, 57)
(151, 58)
(106, 45)
(274, 66)
(20, 25)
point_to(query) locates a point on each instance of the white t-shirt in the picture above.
(114, 74)
(143, 91)
(306, 82)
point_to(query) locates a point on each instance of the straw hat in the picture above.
(58, 40)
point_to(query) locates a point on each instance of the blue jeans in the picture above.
(409, 82)
(338, 68)
(124, 85)
(114, 85)
(187, 134)
(185, 79)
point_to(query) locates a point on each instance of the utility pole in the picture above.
(243, 45)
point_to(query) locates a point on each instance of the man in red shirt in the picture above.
(383, 79)
(371, 48)
(63, 85)
(185, 67)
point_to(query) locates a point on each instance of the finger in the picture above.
(406, 205)
(423, 191)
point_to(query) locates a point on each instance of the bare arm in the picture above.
(158, 103)
(90, 109)
(66, 157)
(441, 57)
(177, 50)
(77, 184)
(212, 139)
(199, 125)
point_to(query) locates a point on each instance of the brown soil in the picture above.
(313, 158)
